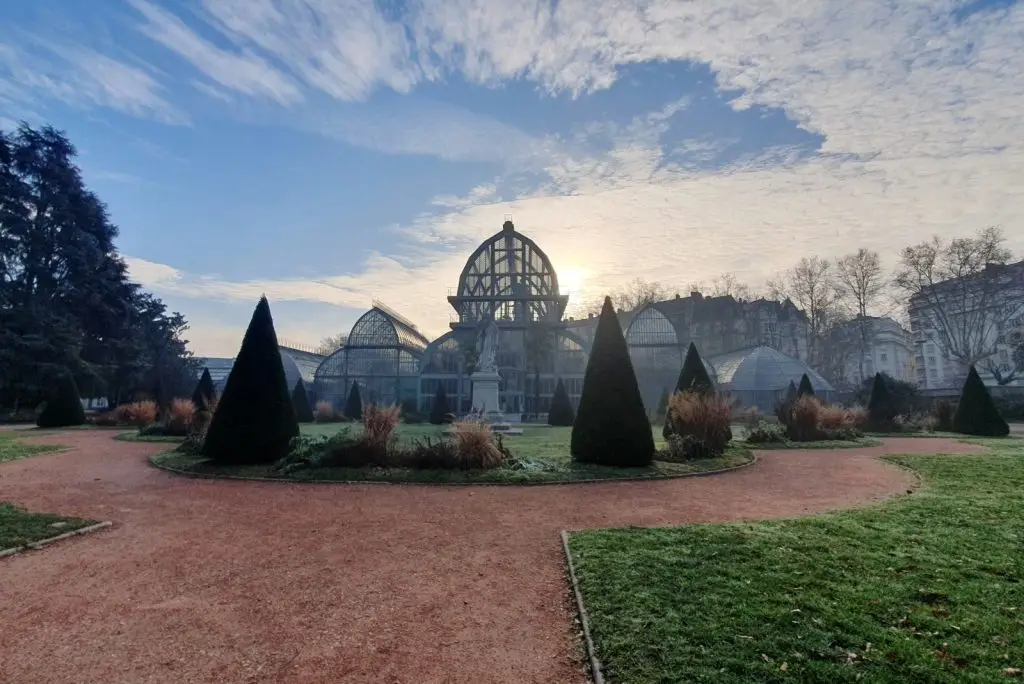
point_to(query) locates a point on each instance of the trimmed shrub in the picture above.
(766, 433)
(141, 413)
(700, 424)
(976, 414)
(943, 413)
(300, 400)
(255, 420)
(611, 426)
(205, 391)
(810, 420)
(325, 413)
(882, 410)
(439, 412)
(354, 403)
(805, 389)
(561, 412)
(63, 406)
(791, 392)
(694, 375)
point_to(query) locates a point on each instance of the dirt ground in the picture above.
(218, 581)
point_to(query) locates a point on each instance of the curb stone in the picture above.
(50, 540)
(595, 664)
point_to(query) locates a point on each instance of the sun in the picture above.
(571, 281)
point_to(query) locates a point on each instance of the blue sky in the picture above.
(329, 152)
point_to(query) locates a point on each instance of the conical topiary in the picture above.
(791, 393)
(561, 412)
(63, 405)
(439, 412)
(881, 408)
(300, 400)
(976, 414)
(694, 375)
(205, 391)
(255, 420)
(354, 403)
(806, 389)
(611, 426)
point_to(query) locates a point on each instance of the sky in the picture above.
(333, 152)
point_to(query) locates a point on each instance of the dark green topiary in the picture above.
(806, 389)
(694, 375)
(611, 425)
(791, 393)
(255, 420)
(439, 412)
(300, 400)
(354, 404)
(63, 406)
(205, 391)
(881, 407)
(976, 414)
(561, 412)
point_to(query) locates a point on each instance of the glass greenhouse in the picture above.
(760, 376)
(381, 354)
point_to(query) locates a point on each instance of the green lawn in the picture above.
(12, 449)
(929, 588)
(543, 454)
(19, 527)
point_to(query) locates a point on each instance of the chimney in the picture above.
(677, 295)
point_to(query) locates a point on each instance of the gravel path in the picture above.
(216, 581)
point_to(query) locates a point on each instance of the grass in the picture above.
(11, 449)
(822, 444)
(134, 436)
(928, 588)
(19, 527)
(542, 451)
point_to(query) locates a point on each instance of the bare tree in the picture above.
(333, 342)
(812, 286)
(729, 284)
(860, 285)
(963, 297)
(634, 296)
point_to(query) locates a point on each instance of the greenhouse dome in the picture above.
(760, 376)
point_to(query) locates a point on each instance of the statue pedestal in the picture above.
(485, 392)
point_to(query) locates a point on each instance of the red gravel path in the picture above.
(216, 581)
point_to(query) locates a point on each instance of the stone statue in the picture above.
(487, 346)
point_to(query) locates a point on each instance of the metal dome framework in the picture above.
(760, 376)
(656, 353)
(382, 354)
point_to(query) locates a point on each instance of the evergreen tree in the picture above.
(976, 414)
(354, 404)
(300, 400)
(805, 389)
(791, 393)
(63, 407)
(694, 375)
(611, 426)
(561, 411)
(881, 407)
(255, 420)
(205, 392)
(439, 412)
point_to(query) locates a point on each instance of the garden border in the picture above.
(581, 610)
(36, 545)
(544, 483)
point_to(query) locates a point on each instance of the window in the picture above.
(884, 357)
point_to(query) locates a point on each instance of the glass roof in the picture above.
(651, 327)
(763, 368)
(378, 328)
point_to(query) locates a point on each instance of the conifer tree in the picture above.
(611, 426)
(205, 391)
(805, 389)
(439, 412)
(976, 414)
(561, 412)
(255, 420)
(63, 405)
(694, 375)
(791, 393)
(300, 400)
(354, 404)
(881, 408)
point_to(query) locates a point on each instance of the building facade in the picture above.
(981, 318)
(886, 347)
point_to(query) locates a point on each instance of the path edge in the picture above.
(581, 610)
(540, 483)
(36, 545)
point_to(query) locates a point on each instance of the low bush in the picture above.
(379, 423)
(179, 417)
(105, 419)
(807, 419)
(140, 413)
(475, 445)
(766, 433)
(325, 413)
(943, 413)
(700, 426)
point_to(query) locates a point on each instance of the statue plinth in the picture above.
(485, 391)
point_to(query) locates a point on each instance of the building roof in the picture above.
(220, 368)
(761, 369)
